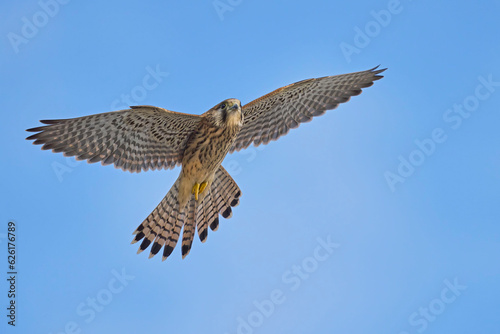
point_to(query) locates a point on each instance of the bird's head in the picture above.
(227, 114)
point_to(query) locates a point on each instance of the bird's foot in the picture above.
(203, 185)
(198, 189)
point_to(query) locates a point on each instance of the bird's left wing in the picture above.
(140, 138)
(273, 115)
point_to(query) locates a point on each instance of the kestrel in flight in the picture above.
(147, 137)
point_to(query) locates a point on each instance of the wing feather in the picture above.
(273, 115)
(136, 139)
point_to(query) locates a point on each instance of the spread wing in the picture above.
(273, 115)
(140, 138)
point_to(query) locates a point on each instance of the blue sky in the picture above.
(379, 217)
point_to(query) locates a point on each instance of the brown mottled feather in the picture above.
(146, 137)
(273, 115)
(189, 228)
(140, 138)
(162, 228)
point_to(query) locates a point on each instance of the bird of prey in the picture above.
(147, 137)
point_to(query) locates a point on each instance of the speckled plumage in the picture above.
(147, 137)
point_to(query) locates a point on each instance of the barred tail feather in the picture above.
(159, 224)
(163, 226)
(201, 221)
(189, 228)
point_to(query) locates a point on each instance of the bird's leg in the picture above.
(196, 190)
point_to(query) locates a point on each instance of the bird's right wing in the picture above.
(140, 138)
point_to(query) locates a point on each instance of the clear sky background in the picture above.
(380, 217)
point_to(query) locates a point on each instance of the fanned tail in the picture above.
(163, 226)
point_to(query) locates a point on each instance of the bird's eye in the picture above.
(223, 106)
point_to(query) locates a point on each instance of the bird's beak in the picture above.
(234, 107)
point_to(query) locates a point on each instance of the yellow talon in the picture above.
(203, 186)
(196, 190)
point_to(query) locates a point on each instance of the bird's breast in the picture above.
(206, 150)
